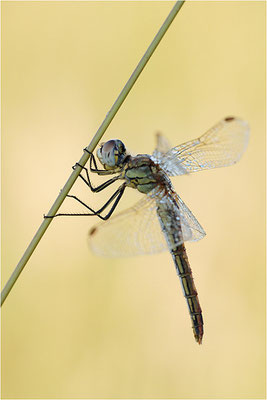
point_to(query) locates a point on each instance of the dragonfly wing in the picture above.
(221, 146)
(176, 220)
(163, 145)
(131, 232)
(191, 228)
(137, 230)
(160, 156)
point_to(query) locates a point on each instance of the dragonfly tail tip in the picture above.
(198, 336)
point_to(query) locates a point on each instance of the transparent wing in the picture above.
(191, 228)
(172, 166)
(137, 230)
(131, 232)
(162, 145)
(221, 146)
(177, 221)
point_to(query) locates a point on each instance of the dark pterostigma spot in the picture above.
(92, 231)
(229, 119)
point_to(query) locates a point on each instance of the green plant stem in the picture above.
(109, 117)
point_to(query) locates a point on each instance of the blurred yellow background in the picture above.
(79, 326)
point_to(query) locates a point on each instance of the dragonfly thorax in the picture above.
(112, 153)
(143, 174)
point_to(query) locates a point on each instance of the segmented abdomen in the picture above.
(169, 218)
(185, 274)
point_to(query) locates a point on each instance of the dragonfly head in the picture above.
(112, 153)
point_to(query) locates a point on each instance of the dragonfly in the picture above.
(160, 220)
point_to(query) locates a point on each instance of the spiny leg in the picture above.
(96, 169)
(116, 195)
(99, 188)
(88, 182)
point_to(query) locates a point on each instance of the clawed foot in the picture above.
(87, 151)
(77, 164)
(49, 216)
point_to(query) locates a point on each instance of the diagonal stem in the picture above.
(109, 117)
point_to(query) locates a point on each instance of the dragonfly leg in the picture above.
(95, 168)
(88, 182)
(116, 196)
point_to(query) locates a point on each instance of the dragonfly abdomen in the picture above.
(171, 227)
(185, 274)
